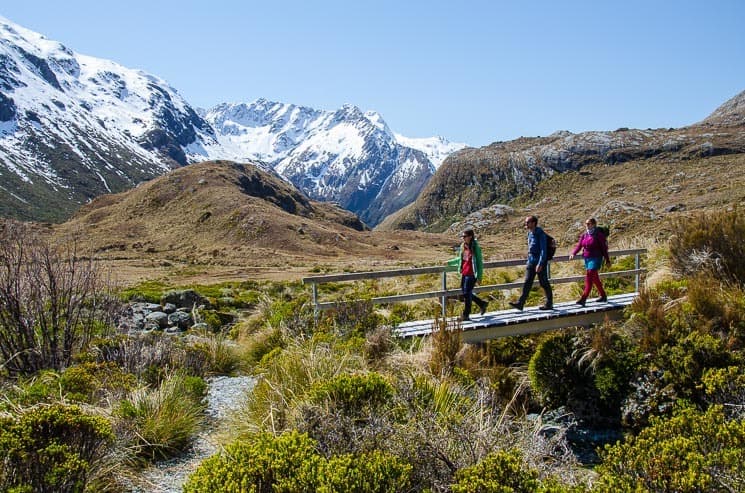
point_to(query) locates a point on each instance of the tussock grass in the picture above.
(160, 423)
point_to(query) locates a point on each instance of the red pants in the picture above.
(592, 277)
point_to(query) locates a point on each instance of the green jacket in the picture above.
(478, 260)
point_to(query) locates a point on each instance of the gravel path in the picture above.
(225, 395)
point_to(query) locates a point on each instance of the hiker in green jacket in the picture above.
(470, 263)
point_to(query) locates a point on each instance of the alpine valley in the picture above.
(73, 127)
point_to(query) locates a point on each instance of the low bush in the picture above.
(552, 371)
(726, 387)
(689, 453)
(95, 382)
(51, 448)
(348, 414)
(686, 361)
(614, 360)
(353, 319)
(502, 472)
(373, 472)
(352, 394)
(261, 464)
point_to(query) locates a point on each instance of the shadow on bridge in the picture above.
(512, 322)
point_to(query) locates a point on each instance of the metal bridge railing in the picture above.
(446, 293)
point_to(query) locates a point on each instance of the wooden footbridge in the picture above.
(500, 323)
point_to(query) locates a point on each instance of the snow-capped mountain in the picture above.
(345, 156)
(73, 127)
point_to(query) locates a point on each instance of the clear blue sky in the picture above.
(471, 71)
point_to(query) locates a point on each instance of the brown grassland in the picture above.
(203, 224)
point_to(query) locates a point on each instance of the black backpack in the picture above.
(550, 246)
(604, 229)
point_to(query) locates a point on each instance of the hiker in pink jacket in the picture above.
(595, 249)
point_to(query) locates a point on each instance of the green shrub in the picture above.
(686, 361)
(161, 423)
(725, 386)
(507, 351)
(614, 360)
(260, 464)
(373, 472)
(552, 372)
(690, 452)
(710, 243)
(92, 382)
(348, 414)
(401, 312)
(51, 448)
(351, 394)
(498, 472)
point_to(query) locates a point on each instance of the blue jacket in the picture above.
(537, 247)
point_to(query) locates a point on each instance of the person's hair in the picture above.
(593, 221)
(533, 219)
(468, 232)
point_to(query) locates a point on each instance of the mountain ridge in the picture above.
(472, 179)
(74, 126)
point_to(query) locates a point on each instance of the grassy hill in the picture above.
(222, 220)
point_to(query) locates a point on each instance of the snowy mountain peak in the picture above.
(76, 126)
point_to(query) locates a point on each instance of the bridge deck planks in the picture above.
(512, 322)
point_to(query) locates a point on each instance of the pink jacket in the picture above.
(594, 245)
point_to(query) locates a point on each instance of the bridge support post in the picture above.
(314, 291)
(637, 276)
(444, 298)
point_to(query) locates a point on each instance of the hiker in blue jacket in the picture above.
(537, 264)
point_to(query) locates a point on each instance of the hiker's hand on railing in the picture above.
(571, 256)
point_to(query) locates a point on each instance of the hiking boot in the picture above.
(602, 299)
(483, 307)
(546, 307)
(516, 305)
(581, 301)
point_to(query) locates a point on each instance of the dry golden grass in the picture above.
(201, 224)
(219, 221)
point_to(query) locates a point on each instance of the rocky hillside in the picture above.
(473, 179)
